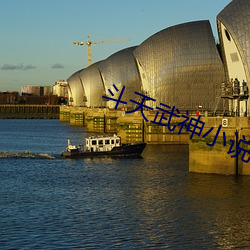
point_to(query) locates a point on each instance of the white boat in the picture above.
(103, 146)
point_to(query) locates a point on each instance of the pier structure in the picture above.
(203, 158)
(130, 126)
(25, 111)
(226, 155)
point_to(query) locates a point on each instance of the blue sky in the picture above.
(36, 35)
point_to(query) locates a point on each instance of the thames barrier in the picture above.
(180, 66)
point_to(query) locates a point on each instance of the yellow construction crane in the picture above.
(89, 43)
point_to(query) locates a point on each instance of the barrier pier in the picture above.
(202, 158)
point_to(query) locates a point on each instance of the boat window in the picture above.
(107, 142)
(100, 142)
(93, 142)
(112, 142)
(117, 141)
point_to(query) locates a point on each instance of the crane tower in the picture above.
(89, 43)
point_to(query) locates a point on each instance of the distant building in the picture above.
(47, 90)
(30, 90)
(37, 90)
(9, 97)
(38, 95)
(40, 100)
(60, 89)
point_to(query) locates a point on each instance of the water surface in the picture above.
(148, 203)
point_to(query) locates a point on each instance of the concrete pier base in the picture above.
(218, 159)
(132, 127)
(64, 114)
(158, 134)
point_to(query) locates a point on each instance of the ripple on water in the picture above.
(151, 202)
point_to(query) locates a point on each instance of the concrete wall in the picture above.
(130, 126)
(215, 159)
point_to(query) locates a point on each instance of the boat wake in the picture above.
(26, 154)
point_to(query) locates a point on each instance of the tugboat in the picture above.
(96, 146)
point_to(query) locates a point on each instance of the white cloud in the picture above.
(57, 66)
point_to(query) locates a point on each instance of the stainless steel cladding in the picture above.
(93, 85)
(236, 19)
(75, 90)
(180, 66)
(120, 69)
(234, 33)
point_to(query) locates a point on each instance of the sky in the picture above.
(36, 35)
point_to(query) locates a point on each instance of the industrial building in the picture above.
(60, 89)
(179, 66)
(9, 97)
(37, 90)
(40, 95)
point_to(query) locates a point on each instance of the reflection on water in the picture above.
(224, 201)
(106, 203)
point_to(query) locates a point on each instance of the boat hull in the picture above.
(126, 150)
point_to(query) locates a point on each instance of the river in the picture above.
(48, 202)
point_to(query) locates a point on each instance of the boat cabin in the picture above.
(104, 143)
